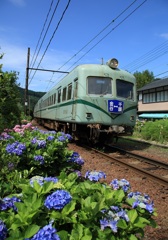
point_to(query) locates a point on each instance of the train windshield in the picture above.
(124, 89)
(99, 85)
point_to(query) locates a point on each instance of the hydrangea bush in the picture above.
(45, 196)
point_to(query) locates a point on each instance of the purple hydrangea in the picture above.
(58, 199)
(16, 148)
(3, 230)
(94, 175)
(117, 184)
(142, 201)
(39, 158)
(7, 203)
(46, 233)
(112, 216)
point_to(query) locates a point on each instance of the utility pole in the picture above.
(26, 84)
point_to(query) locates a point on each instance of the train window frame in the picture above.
(104, 85)
(64, 93)
(75, 88)
(59, 95)
(123, 93)
(69, 93)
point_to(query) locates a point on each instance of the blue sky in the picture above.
(134, 32)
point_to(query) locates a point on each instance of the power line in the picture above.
(52, 36)
(107, 34)
(49, 24)
(97, 34)
(42, 32)
(148, 57)
(104, 36)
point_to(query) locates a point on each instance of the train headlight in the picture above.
(112, 63)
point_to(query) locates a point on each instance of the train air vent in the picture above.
(132, 118)
(88, 115)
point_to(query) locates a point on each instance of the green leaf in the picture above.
(132, 214)
(31, 230)
(69, 208)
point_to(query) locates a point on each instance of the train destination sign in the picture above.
(115, 106)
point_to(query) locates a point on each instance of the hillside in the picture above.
(33, 97)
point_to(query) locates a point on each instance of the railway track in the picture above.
(151, 168)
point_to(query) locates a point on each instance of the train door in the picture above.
(75, 90)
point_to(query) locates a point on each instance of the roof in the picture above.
(153, 115)
(155, 84)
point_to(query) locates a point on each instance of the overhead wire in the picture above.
(32, 63)
(108, 33)
(97, 34)
(100, 33)
(49, 24)
(148, 57)
(53, 35)
(104, 35)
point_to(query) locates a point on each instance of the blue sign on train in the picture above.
(115, 106)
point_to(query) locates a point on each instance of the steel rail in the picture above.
(163, 181)
(143, 158)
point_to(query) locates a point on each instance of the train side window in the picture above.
(69, 92)
(75, 88)
(64, 94)
(59, 95)
(54, 98)
(124, 89)
(99, 85)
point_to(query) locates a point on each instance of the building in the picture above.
(153, 100)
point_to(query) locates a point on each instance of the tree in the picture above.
(143, 78)
(9, 99)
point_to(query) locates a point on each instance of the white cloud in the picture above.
(19, 3)
(164, 35)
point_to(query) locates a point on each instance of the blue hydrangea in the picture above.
(39, 158)
(51, 179)
(76, 158)
(58, 199)
(112, 216)
(142, 201)
(7, 203)
(69, 137)
(50, 138)
(78, 173)
(3, 230)
(16, 148)
(46, 233)
(41, 180)
(117, 184)
(40, 143)
(61, 138)
(94, 175)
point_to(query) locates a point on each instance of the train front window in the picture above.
(99, 85)
(124, 89)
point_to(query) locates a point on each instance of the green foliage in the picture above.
(143, 78)
(91, 201)
(33, 98)
(9, 99)
(153, 130)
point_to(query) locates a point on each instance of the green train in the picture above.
(95, 102)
